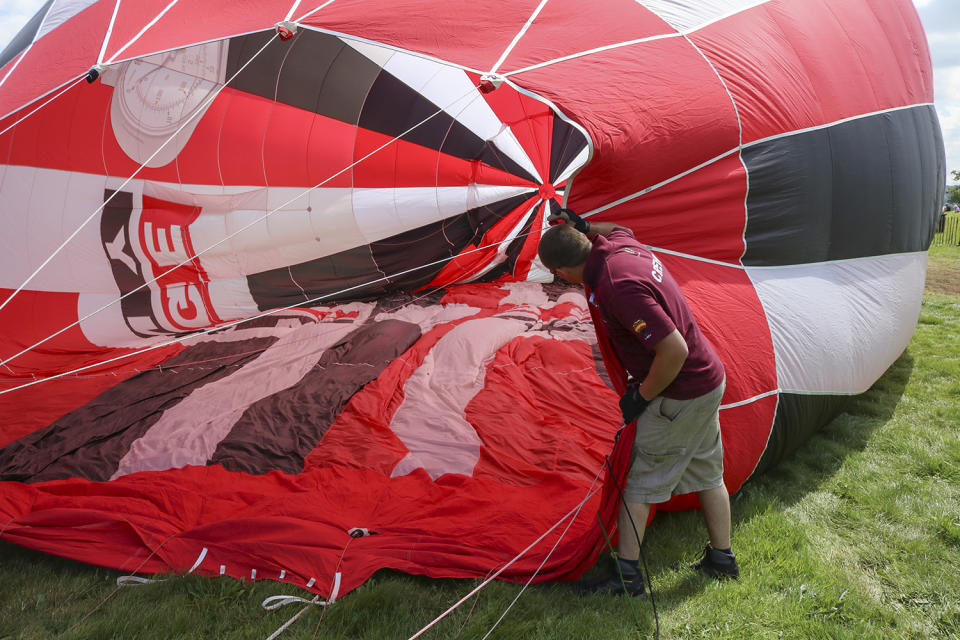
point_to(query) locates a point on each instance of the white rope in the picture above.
(310, 13)
(63, 91)
(106, 37)
(140, 34)
(186, 122)
(289, 599)
(617, 45)
(275, 602)
(483, 584)
(547, 557)
(516, 38)
(134, 580)
(293, 7)
(278, 601)
(221, 241)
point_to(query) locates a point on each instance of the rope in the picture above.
(198, 110)
(334, 588)
(516, 38)
(63, 91)
(483, 584)
(117, 588)
(106, 37)
(216, 244)
(617, 45)
(636, 532)
(313, 11)
(137, 37)
(547, 557)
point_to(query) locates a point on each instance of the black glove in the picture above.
(578, 223)
(632, 404)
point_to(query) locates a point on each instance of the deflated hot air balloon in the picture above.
(270, 288)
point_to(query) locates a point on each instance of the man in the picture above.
(677, 382)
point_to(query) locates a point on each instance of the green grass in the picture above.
(856, 536)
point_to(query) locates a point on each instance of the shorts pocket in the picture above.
(660, 455)
(669, 409)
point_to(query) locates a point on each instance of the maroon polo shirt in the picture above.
(640, 304)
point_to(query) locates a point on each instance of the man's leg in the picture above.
(625, 569)
(628, 547)
(718, 560)
(715, 505)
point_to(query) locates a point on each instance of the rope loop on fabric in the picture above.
(275, 602)
(136, 581)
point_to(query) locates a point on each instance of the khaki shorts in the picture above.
(677, 449)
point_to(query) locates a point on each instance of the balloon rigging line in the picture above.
(665, 182)
(573, 512)
(679, 33)
(313, 11)
(200, 109)
(140, 34)
(547, 557)
(153, 552)
(106, 37)
(516, 38)
(293, 7)
(310, 603)
(190, 259)
(736, 111)
(63, 91)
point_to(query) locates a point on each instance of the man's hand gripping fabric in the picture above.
(632, 404)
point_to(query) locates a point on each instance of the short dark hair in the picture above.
(563, 246)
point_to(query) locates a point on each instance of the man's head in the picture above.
(564, 250)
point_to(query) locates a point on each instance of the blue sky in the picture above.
(941, 20)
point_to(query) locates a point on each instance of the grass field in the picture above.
(855, 536)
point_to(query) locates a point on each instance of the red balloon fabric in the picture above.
(259, 294)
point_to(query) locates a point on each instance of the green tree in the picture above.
(953, 191)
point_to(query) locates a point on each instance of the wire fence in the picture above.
(948, 230)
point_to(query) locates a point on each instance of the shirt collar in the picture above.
(594, 264)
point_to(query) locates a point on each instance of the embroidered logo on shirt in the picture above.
(657, 271)
(639, 325)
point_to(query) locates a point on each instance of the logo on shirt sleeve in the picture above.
(639, 326)
(657, 271)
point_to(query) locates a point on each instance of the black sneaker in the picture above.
(717, 564)
(613, 586)
(614, 582)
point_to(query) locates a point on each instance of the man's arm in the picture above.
(669, 356)
(602, 229)
(596, 228)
